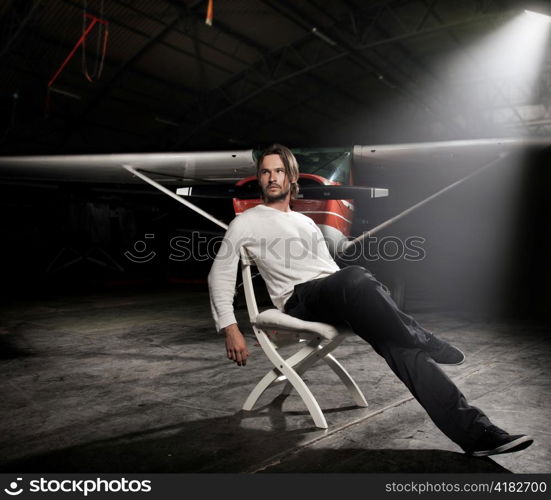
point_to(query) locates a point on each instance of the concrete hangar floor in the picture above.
(139, 382)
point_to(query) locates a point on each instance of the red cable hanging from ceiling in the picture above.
(86, 30)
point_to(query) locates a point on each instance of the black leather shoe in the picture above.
(443, 352)
(494, 441)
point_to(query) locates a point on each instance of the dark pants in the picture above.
(352, 296)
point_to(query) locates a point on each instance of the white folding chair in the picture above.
(275, 329)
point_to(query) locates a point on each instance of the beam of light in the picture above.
(537, 16)
(489, 86)
(485, 87)
(515, 51)
(480, 85)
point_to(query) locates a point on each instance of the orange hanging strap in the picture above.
(210, 11)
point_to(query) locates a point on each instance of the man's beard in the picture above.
(274, 198)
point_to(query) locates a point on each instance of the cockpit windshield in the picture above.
(331, 163)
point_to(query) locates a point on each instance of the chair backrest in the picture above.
(248, 287)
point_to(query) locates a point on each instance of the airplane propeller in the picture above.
(251, 191)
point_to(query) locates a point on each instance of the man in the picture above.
(304, 281)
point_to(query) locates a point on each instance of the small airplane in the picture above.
(331, 179)
(326, 192)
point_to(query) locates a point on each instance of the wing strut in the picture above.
(188, 204)
(409, 210)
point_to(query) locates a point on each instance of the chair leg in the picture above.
(307, 396)
(292, 376)
(313, 359)
(347, 380)
(301, 367)
(271, 377)
(258, 390)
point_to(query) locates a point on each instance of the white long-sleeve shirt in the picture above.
(287, 247)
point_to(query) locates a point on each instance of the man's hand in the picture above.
(236, 347)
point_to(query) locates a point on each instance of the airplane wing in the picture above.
(191, 168)
(446, 153)
(171, 168)
(377, 165)
(384, 163)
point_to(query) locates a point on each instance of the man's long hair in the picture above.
(289, 161)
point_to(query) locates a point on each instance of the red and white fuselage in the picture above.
(333, 217)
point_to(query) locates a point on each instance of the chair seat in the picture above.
(275, 319)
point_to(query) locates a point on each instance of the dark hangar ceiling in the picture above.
(305, 73)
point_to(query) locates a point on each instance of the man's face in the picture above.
(273, 180)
